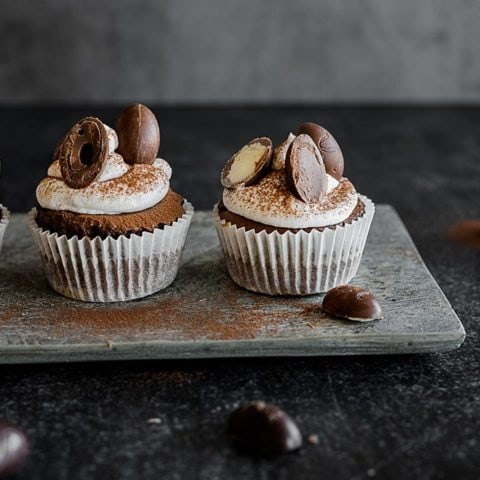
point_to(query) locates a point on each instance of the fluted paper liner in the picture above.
(3, 224)
(301, 263)
(112, 270)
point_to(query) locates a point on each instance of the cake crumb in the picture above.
(313, 439)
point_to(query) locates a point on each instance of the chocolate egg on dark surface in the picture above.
(138, 134)
(263, 429)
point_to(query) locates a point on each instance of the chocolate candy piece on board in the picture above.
(263, 429)
(305, 172)
(353, 303)
(13, 449)
(138, 134)
(247, 166)
(83, 152)
(331, 153)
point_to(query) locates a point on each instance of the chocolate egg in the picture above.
(138, 134)
(263, 429)
(331, 154)
(353, 303)
(82, 152)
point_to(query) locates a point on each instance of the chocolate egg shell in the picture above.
(138, 134)
(82, 152)
(263, 429)
(353, 303)
(247, 166)
(280, 153)
(305, 172)
(331, 153)
(13, 449)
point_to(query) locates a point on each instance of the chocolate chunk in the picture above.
(305, 171)
(328, 146)
(353, 303)
(83, 152)
(13, 449)
(249, 164)
(263, 429)
(138, 134)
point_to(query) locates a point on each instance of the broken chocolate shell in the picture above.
(280, 153)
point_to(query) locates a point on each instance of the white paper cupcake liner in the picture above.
(3, 224)
(112, 270)
(301, 263)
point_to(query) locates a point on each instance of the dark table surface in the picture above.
(392, 417)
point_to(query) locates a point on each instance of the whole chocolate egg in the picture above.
(138, 134)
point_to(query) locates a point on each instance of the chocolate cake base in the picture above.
(240, 221)
(83, 225)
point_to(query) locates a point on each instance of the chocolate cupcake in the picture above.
(289, 223)
(4, 219)
(107, 224)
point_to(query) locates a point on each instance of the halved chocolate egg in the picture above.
(249, 164)
(304, 169)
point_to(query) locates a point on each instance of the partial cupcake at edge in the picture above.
(289, 222)
(4, 219)
(107, 224)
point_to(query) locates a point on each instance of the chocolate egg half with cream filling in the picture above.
(138, 134)
(304, 170)
(249, 164)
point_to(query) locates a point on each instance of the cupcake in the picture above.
(4, 219)
(107, 224)
(289, 223)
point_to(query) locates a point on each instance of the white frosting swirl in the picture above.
(113, 167)
(270, 202)
(119, 188)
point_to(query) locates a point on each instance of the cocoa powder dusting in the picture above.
(181, 319)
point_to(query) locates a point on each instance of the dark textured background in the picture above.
(234, 50)
(390, 417)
